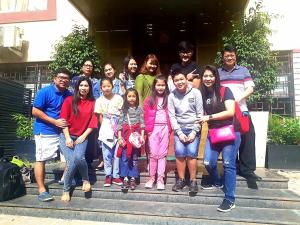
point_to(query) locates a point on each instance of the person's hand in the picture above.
(183, 138)
(69, 143)
(190, 76)
(61, 123)
(122, 77)
(121, 142)
(142, 139)
(203, 119)
(191, 137)
(80, 139)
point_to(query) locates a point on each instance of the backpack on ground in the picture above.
(11, 182)
(244, 121)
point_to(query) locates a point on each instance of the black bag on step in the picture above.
(11, 182)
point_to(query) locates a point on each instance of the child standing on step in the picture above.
(185, 106)
(108, 108)
(131, 121)
(158, 128)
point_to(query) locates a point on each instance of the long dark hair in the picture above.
(153, 96)
(126, 103)
(216, 87)
(125, 67)
(76, 95)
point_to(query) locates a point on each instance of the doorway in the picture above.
(161, 35)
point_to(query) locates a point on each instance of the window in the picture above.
(19, 11)
(7, 6)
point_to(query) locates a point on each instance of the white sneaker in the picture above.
(150, 183)
(160, 185)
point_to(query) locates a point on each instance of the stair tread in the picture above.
(162, 209)
(268, 176)
(241, 192)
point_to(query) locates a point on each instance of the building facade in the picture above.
(28, 31)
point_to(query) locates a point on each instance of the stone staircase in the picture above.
(270, 203)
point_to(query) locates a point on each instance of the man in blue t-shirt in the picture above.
(48, 125)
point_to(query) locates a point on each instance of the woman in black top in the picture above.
(219, 113)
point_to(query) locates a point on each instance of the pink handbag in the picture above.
(222, 134)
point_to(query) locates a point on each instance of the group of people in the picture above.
(127, 111)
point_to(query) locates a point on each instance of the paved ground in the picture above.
(26, 220)
(294, 179)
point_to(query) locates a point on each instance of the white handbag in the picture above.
(134, 137)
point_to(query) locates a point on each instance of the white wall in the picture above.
(285, 28)
(43, 34)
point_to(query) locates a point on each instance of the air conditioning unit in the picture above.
(11, 36)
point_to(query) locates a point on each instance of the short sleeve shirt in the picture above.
(209, 109)
(49, 100)
(238, 79)
(186, 69)
(109, 106)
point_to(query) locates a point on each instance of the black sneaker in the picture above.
(211, 186)
(132, 183)
(125, 185)
(193, 190)
(179, 185)
(226, 206)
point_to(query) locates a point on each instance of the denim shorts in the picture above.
(186, 149)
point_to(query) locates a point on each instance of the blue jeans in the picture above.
(75, 158)
(111, 161)
(186, 149)
(129, 167)
(229, 153)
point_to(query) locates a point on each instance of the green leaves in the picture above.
(283, 130)
(249, 35)
(24, 126)
(70, 51)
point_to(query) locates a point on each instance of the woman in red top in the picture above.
(78, 111)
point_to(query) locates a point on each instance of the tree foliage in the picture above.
(70, 51)
(249, 35)
(24, 126)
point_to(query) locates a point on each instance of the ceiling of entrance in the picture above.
(116, 13)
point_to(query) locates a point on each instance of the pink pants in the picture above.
(158, 148)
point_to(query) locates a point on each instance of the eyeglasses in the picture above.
(185, 53)
(232, 56)
(63, 78)
(87, 65)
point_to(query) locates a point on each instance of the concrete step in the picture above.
(270, 179)
(146, 212)
(262, 198)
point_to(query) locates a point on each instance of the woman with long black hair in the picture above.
(78, 111)
(219, 105)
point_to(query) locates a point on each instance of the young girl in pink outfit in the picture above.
(158, 128)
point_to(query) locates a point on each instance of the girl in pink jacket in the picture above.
(158, 128)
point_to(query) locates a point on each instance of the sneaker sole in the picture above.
(205, 188)
(193, 193)
(106, 185)
(116, 183)
(211, 188)
(226, 210)
(177, 190)
(46, 199)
